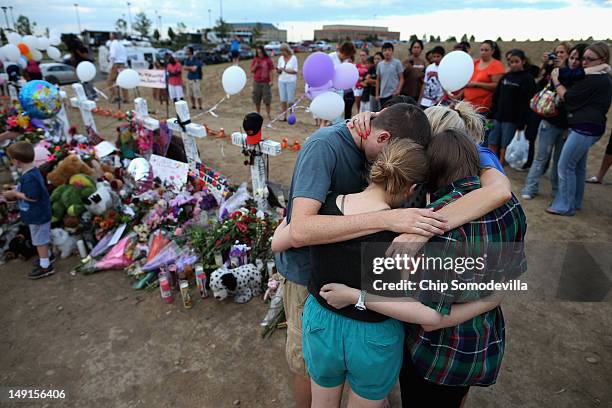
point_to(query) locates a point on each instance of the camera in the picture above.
(552, 56)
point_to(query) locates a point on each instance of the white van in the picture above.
(138, 57)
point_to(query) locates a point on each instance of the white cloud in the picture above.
(563, 23)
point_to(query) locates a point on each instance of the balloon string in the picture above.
(280, 115)
(211, 110)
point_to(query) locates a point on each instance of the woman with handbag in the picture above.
(553, 125)
(587, 104)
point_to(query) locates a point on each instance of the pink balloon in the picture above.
(346, 76)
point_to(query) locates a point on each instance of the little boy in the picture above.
(432, 91)
(34, 204)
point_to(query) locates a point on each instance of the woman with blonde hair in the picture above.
(287, 69)
(463, 117)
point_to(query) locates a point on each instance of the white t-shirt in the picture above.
(432, 89)
(335, 58)
(117, 53)
(292, 64)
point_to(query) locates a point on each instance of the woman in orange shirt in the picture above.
(487, 72)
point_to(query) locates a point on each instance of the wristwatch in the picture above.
(360, 305)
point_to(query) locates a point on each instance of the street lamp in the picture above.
(221, 9)
(130, 16)
(76, 8)
(5, 17)
(209, 19)
(12, 16)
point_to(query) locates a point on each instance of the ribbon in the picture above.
(181, 123)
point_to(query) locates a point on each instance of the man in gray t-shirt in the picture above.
(389, 78)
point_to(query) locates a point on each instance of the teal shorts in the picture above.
(337, 348)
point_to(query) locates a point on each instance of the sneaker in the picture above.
(39, 272)
(528, 196)
(37, 260)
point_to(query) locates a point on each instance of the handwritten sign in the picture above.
(152, 78)
(171, 172)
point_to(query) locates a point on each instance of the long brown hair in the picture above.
(452, 156)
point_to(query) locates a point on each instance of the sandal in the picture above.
(593, 180)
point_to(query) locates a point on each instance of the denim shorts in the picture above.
(40, 233)
(337, 348)
(502, 134)
(286, 91)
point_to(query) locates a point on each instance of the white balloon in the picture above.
(42, 43)
(23, 62)
(55, 40)
(328, 106)
(233, 80)
(36, 55)
(13, 38)
(30, 41)
(128, 79)
(455, 70)
(86, 71)
(11, 52)
(54, 53)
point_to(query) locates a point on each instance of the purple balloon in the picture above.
(291, 119)
(346, 76)
(318, 69)
(314, 91)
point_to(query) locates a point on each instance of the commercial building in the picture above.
(268, 32)
(339, 32)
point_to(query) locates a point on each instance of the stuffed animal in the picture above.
(242, 282)
(67, 168)
(101, 200)
(21, 245)
(64, 243)
(67, 199)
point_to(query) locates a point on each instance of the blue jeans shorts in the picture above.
(337, 348)
(502, 134)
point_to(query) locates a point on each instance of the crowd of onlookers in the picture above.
(579, 76)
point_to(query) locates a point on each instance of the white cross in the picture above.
(192, 130)
(85, 106)
(258, 169)
(62, 117)
(141, 112)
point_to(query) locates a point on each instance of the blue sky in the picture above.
(519, 19)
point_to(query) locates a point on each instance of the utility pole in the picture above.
(8, 27)
(76, 8)
(12, 16)
(130, 16)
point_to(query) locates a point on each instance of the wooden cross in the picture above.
(258, 168)
(188, 131)
(85, 106)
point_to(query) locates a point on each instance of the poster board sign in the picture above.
(171, 172)
(152, 78)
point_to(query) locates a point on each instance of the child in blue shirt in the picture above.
(34, 204)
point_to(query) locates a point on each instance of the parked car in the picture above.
(161, 53)
(321, 46)
(273, 47)
(180, 56)
(58, 73)
(246, 52)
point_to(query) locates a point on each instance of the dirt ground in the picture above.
(111, 346)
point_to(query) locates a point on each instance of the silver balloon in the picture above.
(139, 169)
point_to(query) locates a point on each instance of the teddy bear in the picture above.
(67, 198)
(64, 243)
(20, 246)
(67, 168)
(242, 282)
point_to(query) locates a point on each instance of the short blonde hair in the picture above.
(462, 117)
(287, 48)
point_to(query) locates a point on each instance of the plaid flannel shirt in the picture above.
(470, 353)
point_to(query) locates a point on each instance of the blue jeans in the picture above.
(549, 138)
(572, 172)
(502, 134)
